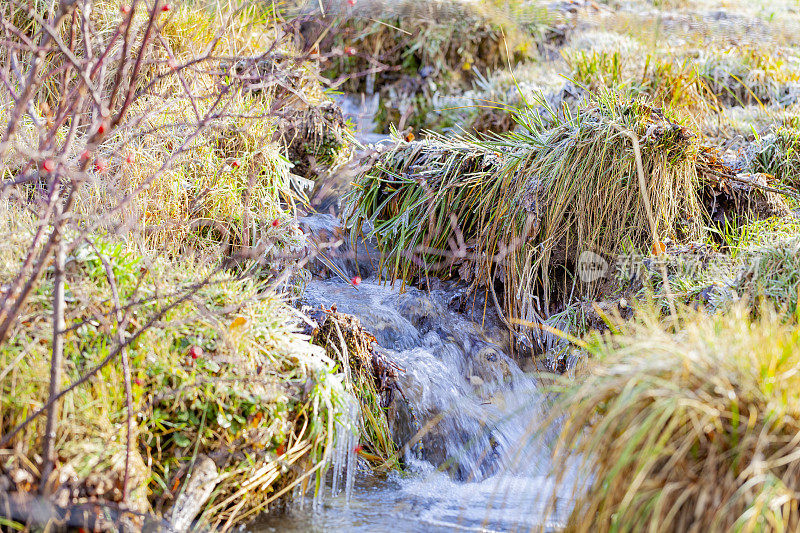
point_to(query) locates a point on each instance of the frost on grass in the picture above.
(225, 373)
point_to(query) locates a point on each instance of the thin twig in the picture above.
(739, 179)
(56, 364)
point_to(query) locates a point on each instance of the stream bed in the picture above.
(429, 502)
(482, 464)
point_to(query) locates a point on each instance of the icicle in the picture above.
(347, 430)
(343, 458)
(337, 458)
(351, 450)
(299, 497)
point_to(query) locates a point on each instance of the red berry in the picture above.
(138, 381)
(86, 155)
(358, 448)
(356, 280)
(351, 2)
(235, 164)
(101, 129)
(124, 9)
(48, 165)
(100, 165)
(195, 352)
(350, 51)
(129, 159)
(276, 223)
(165, 8)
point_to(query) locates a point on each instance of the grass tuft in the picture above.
(773, 275)
(372, 380)
(778, 154)
(409, 51)
(694, 430)
(522, 207)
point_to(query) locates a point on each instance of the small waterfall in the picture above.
(477, 411)
(472, 415)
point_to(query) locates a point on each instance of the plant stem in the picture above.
(55, 364)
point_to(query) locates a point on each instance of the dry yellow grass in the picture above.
(689, 430)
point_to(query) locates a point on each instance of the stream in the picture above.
(482, 467)
(482, 464)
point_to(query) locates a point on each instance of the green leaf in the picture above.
(181, 440)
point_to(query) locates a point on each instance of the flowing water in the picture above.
(481, 465)
(479, 462)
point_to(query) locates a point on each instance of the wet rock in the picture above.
(474, 305)
(462, 454)
(435, 450)
(201, 483)
(490, 365)
(420, 311)
(403, 425)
